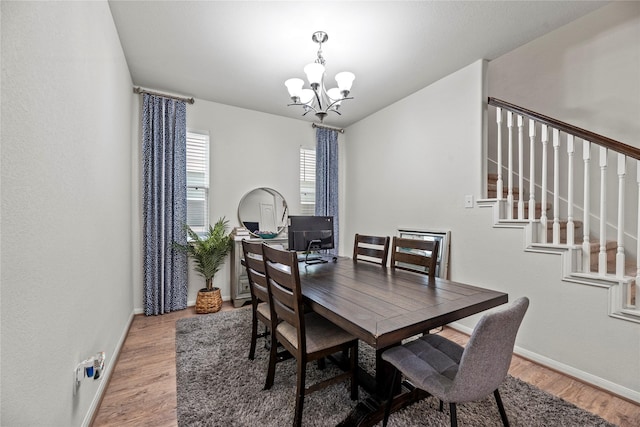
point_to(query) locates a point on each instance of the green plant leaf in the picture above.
(210, 251)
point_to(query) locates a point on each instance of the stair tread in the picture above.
(564, 224)
(630, 268)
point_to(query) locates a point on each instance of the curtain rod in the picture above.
(313, 125)
(179, 98)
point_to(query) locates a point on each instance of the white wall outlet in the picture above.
(468, 201)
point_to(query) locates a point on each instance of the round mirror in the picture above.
(263, 211)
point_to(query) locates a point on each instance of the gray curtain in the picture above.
(327, 178)
(164, 150)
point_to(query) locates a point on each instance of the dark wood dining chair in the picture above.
(374, 249)
(455, 374)
(254, 265)
(419, 256)
(306, 336)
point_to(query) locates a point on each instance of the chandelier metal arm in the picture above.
(335, 102)
(317, 93)
(311, 107)
(306, 106)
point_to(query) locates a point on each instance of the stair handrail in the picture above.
(584, 134)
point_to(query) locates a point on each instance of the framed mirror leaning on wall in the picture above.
(263, 211)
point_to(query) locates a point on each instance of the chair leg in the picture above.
(387, 409)
(503, 414)
(300, 389)
(453, 415)
(254, 334)
(273, 359)
(441, 406)
(267, 338)
(354, 372)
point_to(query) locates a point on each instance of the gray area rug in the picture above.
(217, 385)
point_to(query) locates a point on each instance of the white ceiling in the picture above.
(240, 52)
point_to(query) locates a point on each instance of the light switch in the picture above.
(468, 201)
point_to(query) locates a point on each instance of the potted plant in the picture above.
(208, 253)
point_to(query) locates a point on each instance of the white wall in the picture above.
(249, 149)
(426, 154)
(66, 264)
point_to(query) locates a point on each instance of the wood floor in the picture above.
(142, 389)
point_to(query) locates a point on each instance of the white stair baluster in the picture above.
(622, 172)
(556, 187)
(499, 184)
(510, 167)
(571, 239)
(520, 168)
(532, 170)
(586, 245)
(544, 137)
(602, 255)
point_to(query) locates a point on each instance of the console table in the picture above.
(240, 292)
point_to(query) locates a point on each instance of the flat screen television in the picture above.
(310, 233)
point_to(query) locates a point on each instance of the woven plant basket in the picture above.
(208, 301)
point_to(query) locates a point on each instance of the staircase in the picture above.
(611, 246)
(549, 194)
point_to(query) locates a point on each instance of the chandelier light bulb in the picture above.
(345, 81)
(294, 86)
(314, 72)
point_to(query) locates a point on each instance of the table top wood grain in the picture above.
(382, 306)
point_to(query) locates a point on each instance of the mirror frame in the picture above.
(280, 211)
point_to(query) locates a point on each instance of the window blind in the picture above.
(307, 181)
(198, 181)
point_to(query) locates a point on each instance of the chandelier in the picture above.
(318, 99)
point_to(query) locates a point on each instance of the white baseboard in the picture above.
(106, 375)
(585, 377)
(189, 304)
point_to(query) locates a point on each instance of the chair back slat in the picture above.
(374, 249)
(285, 293)
(254, 265)
(418, 256)
(283, 303)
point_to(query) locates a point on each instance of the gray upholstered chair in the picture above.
(455, 374)
(374, 249)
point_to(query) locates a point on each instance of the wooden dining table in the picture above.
(383, 306)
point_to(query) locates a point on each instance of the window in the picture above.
(198, 181)
(307, 181)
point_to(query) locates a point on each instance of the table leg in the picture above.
(384, 374)
(370, 411)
